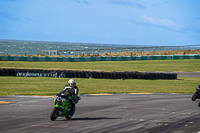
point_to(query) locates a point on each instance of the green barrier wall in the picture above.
(71, 59)
(154, 57)
(103, 58)
(59, 59)
(82, 59)
(35, 58)
(114, 58)
(163, 57)
(48, 58)
(10, 58)
(123, 58)
(99, 58)
(22, 58)
(92, 58)
(196, 56)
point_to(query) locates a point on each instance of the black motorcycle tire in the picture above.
(199, 104)
(54, 114)
(70, 113)
(194, 97)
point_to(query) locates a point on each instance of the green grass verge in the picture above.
(142, 65)
(51, 86)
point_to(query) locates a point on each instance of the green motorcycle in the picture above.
(62, 103)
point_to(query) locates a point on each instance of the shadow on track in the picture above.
(89, 119)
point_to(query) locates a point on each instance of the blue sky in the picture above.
(134, 22)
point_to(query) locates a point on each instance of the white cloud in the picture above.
(165, 23)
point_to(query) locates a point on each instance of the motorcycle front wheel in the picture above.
(54, 114)
(194, 97)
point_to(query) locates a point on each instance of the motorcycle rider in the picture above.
(196, 95)
(198, 86)
(73, 90)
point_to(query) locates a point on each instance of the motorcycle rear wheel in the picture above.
(54, 114)
(70, 114)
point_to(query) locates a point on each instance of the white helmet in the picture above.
(71, 83)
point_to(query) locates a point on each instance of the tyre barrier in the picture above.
(7, 72)
(86, 74)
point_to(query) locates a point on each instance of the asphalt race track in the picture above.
(188, 74)
(135, 113)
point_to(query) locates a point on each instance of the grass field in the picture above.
(145, 65)
(51, 86)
